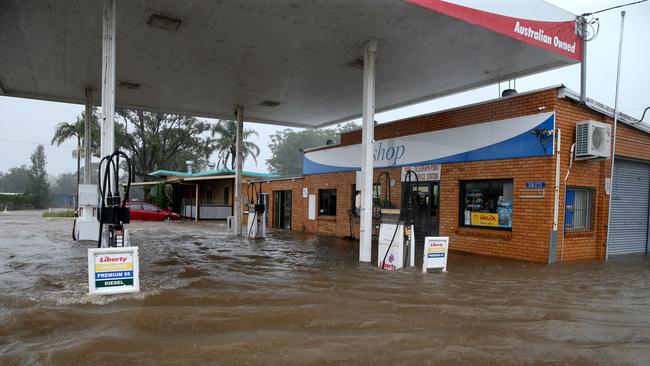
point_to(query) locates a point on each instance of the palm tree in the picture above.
(226, 143)
(66, 130)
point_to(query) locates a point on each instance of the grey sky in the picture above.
(24, 123)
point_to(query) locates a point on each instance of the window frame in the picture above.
(461, 203)
(376, 191)
(320, 201)
(590, 208)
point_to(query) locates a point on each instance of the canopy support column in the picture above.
(238, 168)
(88, 120)
(368, 131)
(583, 62)
(108, 80)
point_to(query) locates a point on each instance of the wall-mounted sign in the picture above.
(113, 270)
(537, 184)
(305, 192)
(312, 207)
(504, 139)
(427, 172)
(436, 249)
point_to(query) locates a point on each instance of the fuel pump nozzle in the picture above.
(112, 209)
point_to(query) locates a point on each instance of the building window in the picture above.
(578, 209)
(226, 195)
(356, 199)
(486, 203)
(327, 202)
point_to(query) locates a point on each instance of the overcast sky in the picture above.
(24, 123)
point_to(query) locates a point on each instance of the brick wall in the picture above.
(532, 217)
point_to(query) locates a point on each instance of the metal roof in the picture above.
(207, 173)
(286, 62)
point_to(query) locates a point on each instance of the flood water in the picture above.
(299, 299)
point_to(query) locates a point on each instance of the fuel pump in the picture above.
(256, 212)
(112, 208)
(86, 225)
(397, 236)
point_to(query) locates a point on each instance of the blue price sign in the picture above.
(535, 184)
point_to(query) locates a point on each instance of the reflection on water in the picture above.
(294, 298)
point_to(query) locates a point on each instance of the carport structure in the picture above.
(284, 62)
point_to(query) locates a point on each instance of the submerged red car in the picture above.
(148, 212)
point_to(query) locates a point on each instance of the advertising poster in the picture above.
(113, 270)
(485, 219)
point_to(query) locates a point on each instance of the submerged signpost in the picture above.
(435, 253)
(113, 270)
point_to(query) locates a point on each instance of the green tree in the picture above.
(16, 180)
(157, 141)
(287, 146)
(66, 183)
(38, 186)
(226, 143)
(65, 131)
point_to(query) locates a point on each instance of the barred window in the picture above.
(578, 209)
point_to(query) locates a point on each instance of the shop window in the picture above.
(356, 198)
(486, 203)
(327, 202)
(578, 209)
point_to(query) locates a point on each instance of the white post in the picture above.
(611, 174)
(238, 169)
(108, 80)
(88, 135)
(583, 62)
(556, 199)
(365, 230)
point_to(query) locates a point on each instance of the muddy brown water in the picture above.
(299, 299)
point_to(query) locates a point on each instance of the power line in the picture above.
(615, 7)
(37, 143)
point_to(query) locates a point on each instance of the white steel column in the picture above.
(88, 121)
(613, 158)
(108, 80)
(368, 131)
(238, 169)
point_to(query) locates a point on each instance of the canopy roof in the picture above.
(285, 61)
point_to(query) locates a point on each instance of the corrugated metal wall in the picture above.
(630, 207)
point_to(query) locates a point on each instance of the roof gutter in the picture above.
(566, 93)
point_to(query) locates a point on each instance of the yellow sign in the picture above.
(113, 267)
(485, 219)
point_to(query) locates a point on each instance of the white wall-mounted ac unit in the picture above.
(593, 140)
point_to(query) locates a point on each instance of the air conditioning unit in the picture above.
(593, 140)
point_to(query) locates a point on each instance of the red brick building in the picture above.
(494, 195)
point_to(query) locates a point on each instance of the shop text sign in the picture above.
(113, 270)
(436, 249)
(426, 173)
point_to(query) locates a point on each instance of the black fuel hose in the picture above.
(104, 187)
(409, 206)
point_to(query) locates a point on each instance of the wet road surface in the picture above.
(299, 299)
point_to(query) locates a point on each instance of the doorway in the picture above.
(425, 198)
(282, 209)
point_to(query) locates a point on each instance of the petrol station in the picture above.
(311, 65)
(491, 176)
